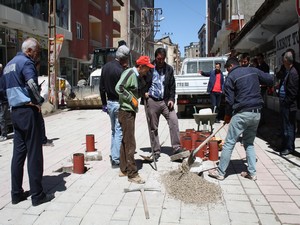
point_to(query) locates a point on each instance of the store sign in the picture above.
(289, 38)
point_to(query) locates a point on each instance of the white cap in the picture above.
(123, 51)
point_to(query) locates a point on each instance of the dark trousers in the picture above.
(3, 118)
(27, 142)
(215, 99)
(128, 145)
(288, 128)
(153, 111)
(43, 134)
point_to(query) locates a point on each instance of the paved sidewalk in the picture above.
(97, 197)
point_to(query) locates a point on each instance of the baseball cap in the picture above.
(123, 51)
(145, 61)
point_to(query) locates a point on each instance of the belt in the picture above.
(24, 106)
(155, 99)
(250, 110)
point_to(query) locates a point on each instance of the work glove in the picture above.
(227, 119)
(134, 102)
(104, 108)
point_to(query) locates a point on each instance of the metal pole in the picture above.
(52, 62)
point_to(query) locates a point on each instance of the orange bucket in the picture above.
(78, 163)
(187, 143)
(201, 151)
(90, 143)
(213, 150)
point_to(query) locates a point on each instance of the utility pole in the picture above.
(149, 25)
(52, 62)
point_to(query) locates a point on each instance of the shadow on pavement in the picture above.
(54, 183)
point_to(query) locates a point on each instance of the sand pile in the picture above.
(191, 188)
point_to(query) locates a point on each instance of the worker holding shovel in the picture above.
(242, 112)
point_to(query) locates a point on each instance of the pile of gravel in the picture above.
(191, 188)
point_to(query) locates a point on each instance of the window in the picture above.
(79, 31)
(132, 16)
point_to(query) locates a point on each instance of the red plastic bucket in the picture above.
(90, 143)
(201, 151)
(195, 137)
(213, 150)
(78, 163)
(187, 143)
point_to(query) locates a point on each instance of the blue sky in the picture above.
(182, 19)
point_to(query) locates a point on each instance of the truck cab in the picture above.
(101, 56)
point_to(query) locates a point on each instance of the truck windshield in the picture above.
(102, 56)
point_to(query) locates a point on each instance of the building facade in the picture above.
(173, 53)
(225, 19)
(192, 50)
(202, 41)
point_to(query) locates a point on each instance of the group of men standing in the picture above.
(120, 89)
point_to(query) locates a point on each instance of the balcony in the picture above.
(116, 29)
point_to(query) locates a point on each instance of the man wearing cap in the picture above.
(129, 89)
(110, 75)
(159, 100)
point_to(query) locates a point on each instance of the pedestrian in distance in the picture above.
(110, 75)
(21, 83)
(3, 108)
(242, 113)
(159, 99)
(288, 104)
(215, 87)
(129, 88)
(245, 59)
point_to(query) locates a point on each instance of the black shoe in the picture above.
(115, 165)
(48, 143)
(46, 198)
(285, 152)
(21, 198)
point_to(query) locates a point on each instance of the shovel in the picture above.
(186, 164)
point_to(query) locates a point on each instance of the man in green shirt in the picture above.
(129, 89)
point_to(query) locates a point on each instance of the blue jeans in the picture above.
(289, 120)
(245, 123)
(116, 130)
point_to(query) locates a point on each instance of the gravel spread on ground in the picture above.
(191, 188)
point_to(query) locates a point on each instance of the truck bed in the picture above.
(191, 84)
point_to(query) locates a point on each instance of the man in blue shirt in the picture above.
(21, 84)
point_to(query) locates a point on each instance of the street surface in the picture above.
(97, 196)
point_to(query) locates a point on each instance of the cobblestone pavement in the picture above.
(97, 196)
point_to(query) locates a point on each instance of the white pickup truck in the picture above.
(191, 86)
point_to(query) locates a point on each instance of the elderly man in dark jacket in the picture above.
(288, 104)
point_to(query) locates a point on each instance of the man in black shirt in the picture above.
(110, 75)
